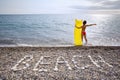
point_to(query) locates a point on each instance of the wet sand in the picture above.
(60, 63)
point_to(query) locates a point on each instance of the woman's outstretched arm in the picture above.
(90, 25)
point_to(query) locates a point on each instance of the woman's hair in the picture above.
(84, 22)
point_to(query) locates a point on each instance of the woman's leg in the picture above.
(85, 38)
(82, 37)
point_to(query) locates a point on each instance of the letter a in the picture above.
(63, 62)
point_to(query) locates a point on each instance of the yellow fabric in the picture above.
(78, 33)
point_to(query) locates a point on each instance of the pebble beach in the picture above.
(60, 63)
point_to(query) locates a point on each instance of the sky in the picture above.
(57, 6)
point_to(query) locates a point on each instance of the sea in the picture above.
(57, 29)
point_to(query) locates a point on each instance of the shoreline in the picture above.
(58, 46)
(67, 45)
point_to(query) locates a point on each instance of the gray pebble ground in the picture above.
(85, 70)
